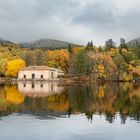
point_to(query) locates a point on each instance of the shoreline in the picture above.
(68, 80)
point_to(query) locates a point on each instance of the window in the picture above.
(33, 76)
(41, 86)
(24, 76)
(41, 76)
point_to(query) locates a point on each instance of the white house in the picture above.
(39, 73)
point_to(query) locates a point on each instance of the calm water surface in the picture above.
(52, 111)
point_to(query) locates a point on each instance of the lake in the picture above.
(56, 111)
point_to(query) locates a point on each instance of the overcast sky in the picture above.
(76, 21)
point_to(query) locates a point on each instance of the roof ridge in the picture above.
(43, 67)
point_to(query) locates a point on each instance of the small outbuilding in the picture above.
(40, 73)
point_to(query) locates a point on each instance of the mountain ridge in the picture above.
(47, 43)
(5, 42)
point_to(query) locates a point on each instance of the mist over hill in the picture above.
(134, 42)
(4, 42)
(47, 44)
(52, 44)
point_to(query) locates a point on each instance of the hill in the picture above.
(47, 44)
(4, 42)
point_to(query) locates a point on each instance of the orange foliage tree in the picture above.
(102, 65)
(134, 68)
(75, 50)
(58, 59)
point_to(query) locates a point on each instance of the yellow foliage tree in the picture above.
(3, 63)
(75, 50)
(103, 65)
(134, 70)
(14, 66)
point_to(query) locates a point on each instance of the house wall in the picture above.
(47, 74)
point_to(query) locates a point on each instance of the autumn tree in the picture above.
(109, 44)
(102, 66)
(121, 65)
(136, 49)
(90, 47)
(14, 66)
(76, 50)
(70, 49)
(128, 55)
(58, 59)
(27, 56)
(134, 69)
(36, 57)
(123, 44)
(40, 57)
(3, 63)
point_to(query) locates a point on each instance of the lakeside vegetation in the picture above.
(110, 62)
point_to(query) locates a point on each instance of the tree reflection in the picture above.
(12, 95)
(89, 99)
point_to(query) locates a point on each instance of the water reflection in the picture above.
(39, 89)
(47, 100)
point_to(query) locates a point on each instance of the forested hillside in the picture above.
(109, 62)
(4, 42)
(47, 44)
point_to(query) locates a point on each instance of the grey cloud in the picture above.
(130, 22)
(97, 14)
(22, 20)
(69, 20)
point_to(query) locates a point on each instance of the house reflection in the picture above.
(39, 89)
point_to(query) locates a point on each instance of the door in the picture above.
(33, 76)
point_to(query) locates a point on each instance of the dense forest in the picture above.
(109, 62)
